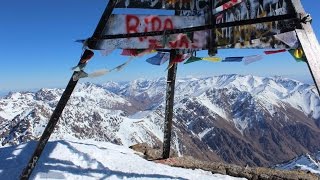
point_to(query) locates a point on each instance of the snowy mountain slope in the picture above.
(305, 162)
(232, 118)
(91, 160)
(89, 112)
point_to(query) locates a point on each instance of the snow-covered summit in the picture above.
(88, 159)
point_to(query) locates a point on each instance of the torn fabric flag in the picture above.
(180, 58)
(250, 59)
(232, 59)
(289, 38)
(121, 66)
(159, 58)
(98, 73)
(275, 51)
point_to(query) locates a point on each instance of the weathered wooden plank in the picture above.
(143, 23)
(164, 4)
(310, 45)
(215, 9)
(254, 9)
(270, 42)
(261, 40)
(224, 36)
(186, 7)
(171, 79)
(236, 34)
(174, 41)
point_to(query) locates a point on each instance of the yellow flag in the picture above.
(298, 53)
(212, 59)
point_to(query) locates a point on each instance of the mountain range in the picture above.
(239, 119)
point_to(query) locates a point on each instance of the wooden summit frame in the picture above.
(220, 24)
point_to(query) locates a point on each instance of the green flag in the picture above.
(193, 59)
(298, 55)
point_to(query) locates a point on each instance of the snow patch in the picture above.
(92, 160)
(203, 133)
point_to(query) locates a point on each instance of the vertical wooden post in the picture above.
(169, 106)
(63, 100)
(212, 47)
(310, 45)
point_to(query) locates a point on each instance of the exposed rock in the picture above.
(151, 153)
(237, 171)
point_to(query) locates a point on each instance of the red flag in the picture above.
(181, 57)
(275, 51)
(129, 52)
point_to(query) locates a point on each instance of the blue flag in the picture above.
(232, 59)
(159, 58)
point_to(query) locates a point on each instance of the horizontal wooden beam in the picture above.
(291, 17)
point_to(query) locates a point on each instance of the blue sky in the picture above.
(37, 48)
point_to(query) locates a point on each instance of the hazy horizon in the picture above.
(4, 92)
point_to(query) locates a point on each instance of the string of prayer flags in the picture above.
(194, 59)
(98, 73)
(101, 72)
(250, 59)
(275, 51)
(121, 66)
(232, 59)
(159, 58)
(298, 54)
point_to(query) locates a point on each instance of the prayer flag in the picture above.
(298, 54)
(159, 58)
(180, 58)
(289, 38)
(193, 59)
(232, 59)
(98, 73)
(212, 59)
(250, 59)
(275, 51)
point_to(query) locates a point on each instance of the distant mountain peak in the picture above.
(242, 119)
